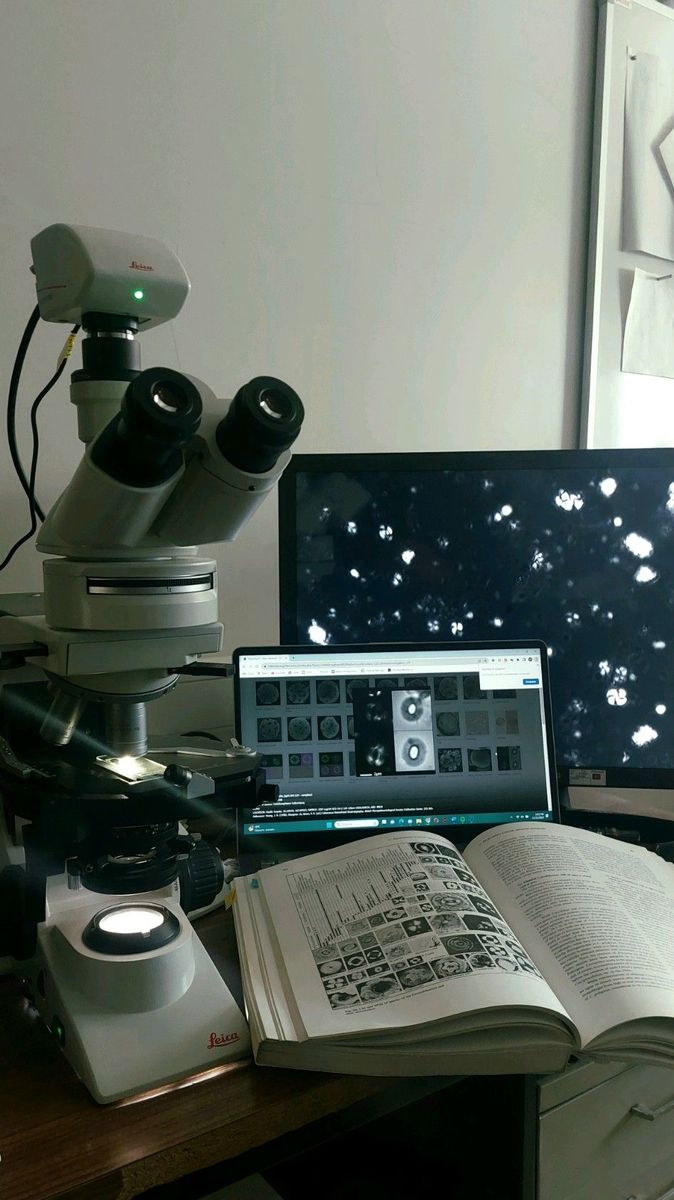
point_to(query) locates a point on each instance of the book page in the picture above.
(394, 931)
(596, 915)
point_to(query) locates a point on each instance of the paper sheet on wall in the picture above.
(648, 164)
(648, 344)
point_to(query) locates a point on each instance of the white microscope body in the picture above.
(113, 963)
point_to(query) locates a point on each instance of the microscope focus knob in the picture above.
(201, 877)
(178, 775)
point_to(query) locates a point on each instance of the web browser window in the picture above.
(371, 738)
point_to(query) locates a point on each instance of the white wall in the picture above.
(383, 202)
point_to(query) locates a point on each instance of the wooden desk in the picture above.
(55, 1141)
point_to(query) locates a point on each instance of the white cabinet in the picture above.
(605, 1133)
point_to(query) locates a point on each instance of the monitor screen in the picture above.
(360, 738)
(573, 547)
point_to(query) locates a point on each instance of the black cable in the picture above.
(204, 733)
(10, 554)
(30, 483)
(11, 406)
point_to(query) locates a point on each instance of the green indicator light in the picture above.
(58, 1031)
(138, 294)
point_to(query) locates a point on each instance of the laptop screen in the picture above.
(361, 739)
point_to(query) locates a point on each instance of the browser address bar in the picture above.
(398, 666)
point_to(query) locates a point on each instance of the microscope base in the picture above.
(123, 1053)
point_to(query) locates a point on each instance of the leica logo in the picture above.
(221, 1039)
(136, 266)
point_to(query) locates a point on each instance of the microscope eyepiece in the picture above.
(142, 445)
(263, 420)
(276, 403)
(164, 404)
(169, 398)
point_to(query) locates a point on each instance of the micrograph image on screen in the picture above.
(573, 547)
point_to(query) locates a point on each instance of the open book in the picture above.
(397, 955)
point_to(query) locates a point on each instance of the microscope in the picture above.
(99, 867)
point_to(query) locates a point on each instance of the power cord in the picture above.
(28, 485)
(11, 405)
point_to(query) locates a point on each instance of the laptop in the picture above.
(360, 739)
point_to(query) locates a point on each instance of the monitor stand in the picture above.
(654, 803)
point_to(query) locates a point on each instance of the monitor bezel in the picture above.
(461, 460)
(464, 832)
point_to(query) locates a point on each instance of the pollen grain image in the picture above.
(581, 559)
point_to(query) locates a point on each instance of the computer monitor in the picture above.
(575, 547)
(362, 738)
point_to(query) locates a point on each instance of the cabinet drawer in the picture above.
(595, 1147)
(580, 1076)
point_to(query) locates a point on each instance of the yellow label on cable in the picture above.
(67, 350)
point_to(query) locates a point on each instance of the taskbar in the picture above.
(356, 823)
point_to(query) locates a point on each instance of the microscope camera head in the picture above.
(80, 270)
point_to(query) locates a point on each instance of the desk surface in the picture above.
(56, 1141)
